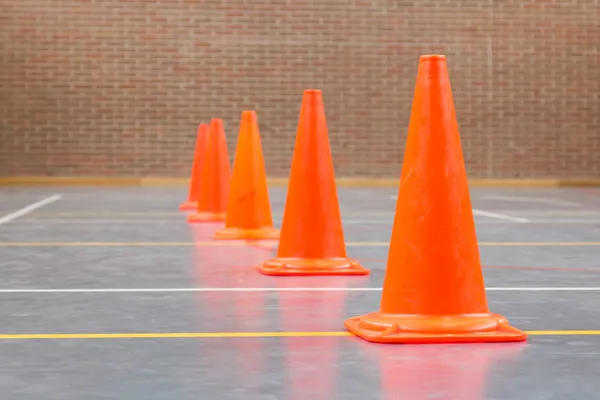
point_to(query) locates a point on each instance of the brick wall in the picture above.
(117, 87)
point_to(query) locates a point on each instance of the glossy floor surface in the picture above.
(110, 294)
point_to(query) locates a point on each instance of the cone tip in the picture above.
(312, 92)
(432, 58)
(216, 122)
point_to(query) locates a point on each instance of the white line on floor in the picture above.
(499, 216)
(179, 221)
(26, 210)
(275, 289)
(521, 199)
(26, 223)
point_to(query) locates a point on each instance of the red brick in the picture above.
(118, 87)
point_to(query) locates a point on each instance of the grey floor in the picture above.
(121, 261)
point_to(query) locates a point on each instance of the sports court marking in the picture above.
(274, 289)
(101, 220)
(102, 214)
(25, 223)
(191, 335)
(500, 216)
(523, 199)
(145, 214)
(178, 221)
(26, 210)
(229, 243)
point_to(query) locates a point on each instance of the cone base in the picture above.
(206, 217)
(250, 234)
(188, 206)
(469, 328)
(312, 266)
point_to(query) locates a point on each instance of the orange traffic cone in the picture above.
(248, 208)
(214, 189)
(196, 176)
(433, 289)
(312, 239)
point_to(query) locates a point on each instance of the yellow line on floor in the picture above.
(392, 182)
(192, 335)
(491, 244)
(563, 333)
(172, 335)
(228, 243)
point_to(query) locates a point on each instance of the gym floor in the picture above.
(107, 293)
